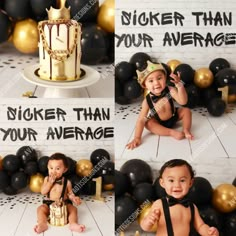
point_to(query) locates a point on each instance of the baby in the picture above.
(53, 188)
(174, 214)
(159, 101)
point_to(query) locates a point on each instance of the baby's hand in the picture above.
(213, 231)
(52, 178)
(76, 200)
(175, 79)
(134, 143)
(153, 217)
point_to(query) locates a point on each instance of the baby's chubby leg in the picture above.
(185, 115)
(153, 126)
(73, 218)
(42, 215)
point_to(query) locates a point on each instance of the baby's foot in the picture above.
(39, 228)
(177, 134)
(77, 227)
(188, 135)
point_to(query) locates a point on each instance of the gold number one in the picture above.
(98, 195)
(225, 93)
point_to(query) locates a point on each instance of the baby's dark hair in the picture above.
(59, 156)
(176, 162)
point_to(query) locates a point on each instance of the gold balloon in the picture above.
(84, 167)
(144, 212)
(173, 64)
(1, 162)
(203, 77)
(36, 182)
(224, 198)
(108, 187)
(25, 36)
(106, 16)
(231, 98)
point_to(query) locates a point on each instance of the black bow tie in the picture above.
(184, 201)
(155, 98)
(58, 181)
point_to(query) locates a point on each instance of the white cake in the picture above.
(59, 46)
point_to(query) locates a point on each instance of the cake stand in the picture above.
(61, 89)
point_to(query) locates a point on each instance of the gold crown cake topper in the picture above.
(151, 67)
(61, 13)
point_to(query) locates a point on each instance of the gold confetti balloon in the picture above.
(108, 187)
(173, 64)
(106, 16)
(84, 167)
(25, 36)
(36, 182)
(203, 78)
(144, 212)
(224, 198)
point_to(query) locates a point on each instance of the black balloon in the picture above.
(132, 89)
(43, 165)
(108, 179)
(9, 190)
(143, 192)
(138, 171)
(18, 9)
(186, 73)
(234, 182)
(39, 7)
(5, 27)
(201, 191)
(107, 168)
(158, 190)
(83, 11)
(218, 64)
(208, 94)
(230, 224)
(94, 44)
(211, 217)
(225, 77)
(4, 179)
(82, 187)
(31, 168)
(71, 167)
(193, 96)
(26, 154)
(125, 207)
(118, 88)
(122, 183)
(124, 71)
(11, 163)
(139, 60)
(19, 180)
(216, 107)
(122, 100)
(98, 155)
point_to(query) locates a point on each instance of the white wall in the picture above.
(76, 148)
(197, 56)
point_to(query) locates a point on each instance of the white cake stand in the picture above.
(54, 89)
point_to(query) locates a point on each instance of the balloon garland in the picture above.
(212, 87)
(19, 24)
(134, 194)
(17, 171)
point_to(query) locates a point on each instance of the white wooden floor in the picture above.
(18, 216)
(212, 153)
(13, 85)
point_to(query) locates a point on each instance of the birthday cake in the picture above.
(59, 46)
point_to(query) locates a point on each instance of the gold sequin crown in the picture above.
(61, 13)
(151, 67)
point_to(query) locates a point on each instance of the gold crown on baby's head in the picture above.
(151, 67)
